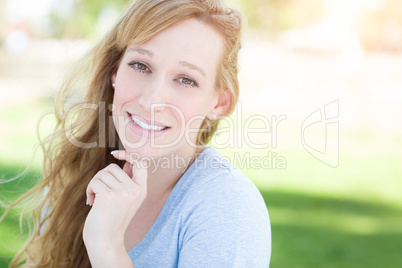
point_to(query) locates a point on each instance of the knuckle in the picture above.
(109, 169)
(134, 188)
(124, 195)
(99, 174)
(138, 192)
(112, 166)
(111, 196)
(90, 184)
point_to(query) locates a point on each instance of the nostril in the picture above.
(158, 106)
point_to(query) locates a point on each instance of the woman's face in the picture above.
(165, 88)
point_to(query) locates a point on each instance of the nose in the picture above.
(154, 95)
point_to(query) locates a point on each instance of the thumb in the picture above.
(139, 169)
(128, 169)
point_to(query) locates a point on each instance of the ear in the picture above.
(222, 105)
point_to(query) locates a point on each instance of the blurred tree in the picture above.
(2, 21)
(270, 16)
(381, 29)
(83, 21)
(275, 16)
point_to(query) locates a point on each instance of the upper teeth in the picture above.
(144, 125)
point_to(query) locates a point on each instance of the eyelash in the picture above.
(139, 67)
(192, 82)
(134, 65)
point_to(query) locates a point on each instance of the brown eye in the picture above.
(187, 82)
(139, 67)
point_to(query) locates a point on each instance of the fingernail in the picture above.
(114, 152)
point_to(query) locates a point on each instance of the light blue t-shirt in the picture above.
(214, 217)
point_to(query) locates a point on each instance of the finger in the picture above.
(128, 169)
(119, 154)
(95, 187)
(123, 155)
(109, 179)
(139, 167)
(119, 173)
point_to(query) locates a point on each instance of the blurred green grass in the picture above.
(11, 236)
(349, 216)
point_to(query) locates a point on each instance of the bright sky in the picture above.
(19, 10)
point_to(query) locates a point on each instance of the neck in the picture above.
(165, 171)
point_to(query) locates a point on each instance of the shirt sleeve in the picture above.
(226, 225)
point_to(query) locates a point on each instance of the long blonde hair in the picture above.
(60, 211)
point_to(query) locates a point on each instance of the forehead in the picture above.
(190, 40)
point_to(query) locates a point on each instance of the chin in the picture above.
(146, 152)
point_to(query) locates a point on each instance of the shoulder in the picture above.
(223, 213)
(216, 180)
(224, 196)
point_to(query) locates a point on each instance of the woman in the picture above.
(159, 82)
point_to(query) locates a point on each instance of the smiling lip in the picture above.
(147, 125)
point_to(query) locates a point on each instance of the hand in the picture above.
(115, 195)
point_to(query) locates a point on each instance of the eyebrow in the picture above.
(193, 67)
(142, 51)
(149, 53)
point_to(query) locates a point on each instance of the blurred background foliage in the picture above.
(276, 16)
(377, 21)
(381, 29)
(297, 57)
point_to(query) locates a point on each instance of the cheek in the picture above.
(194, 113)
(122, 96)
(127, 87)
(117, 108)
(191, 111)
(192, 104)
(117, 115)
